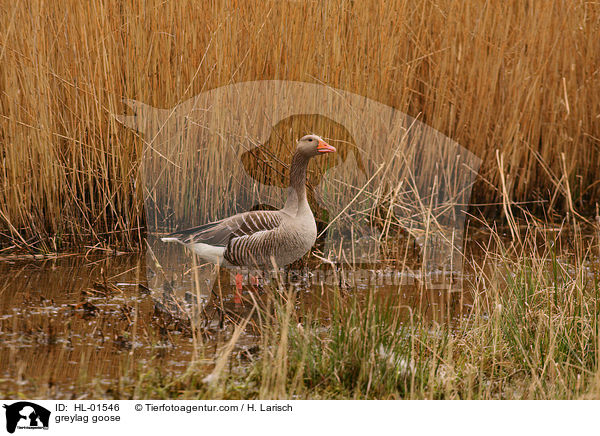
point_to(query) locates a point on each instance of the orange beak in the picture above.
(323, 147)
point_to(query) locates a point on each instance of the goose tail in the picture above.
(210, 253)
(170, 239)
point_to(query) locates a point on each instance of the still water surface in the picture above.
(73, 326)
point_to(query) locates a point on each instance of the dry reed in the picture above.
(518, 77)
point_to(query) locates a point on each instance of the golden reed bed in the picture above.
(514, 82)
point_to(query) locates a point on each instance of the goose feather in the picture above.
(261, 238)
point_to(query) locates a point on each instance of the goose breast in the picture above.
(284, 245)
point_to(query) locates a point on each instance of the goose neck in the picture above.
(298, 176)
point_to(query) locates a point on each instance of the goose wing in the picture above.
(219, 233)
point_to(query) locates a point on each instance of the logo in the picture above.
(395, 184)
(26, 415)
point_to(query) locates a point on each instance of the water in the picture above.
(73, 326)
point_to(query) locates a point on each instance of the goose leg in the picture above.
(237, 298)
(220, 308)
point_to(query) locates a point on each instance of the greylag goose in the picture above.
(263, 237)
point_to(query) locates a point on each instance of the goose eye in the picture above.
(310, 139)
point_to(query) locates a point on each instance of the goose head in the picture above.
(313, 145)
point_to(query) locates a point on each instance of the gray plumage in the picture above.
(263, 238)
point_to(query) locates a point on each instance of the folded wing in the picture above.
(219, 233)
